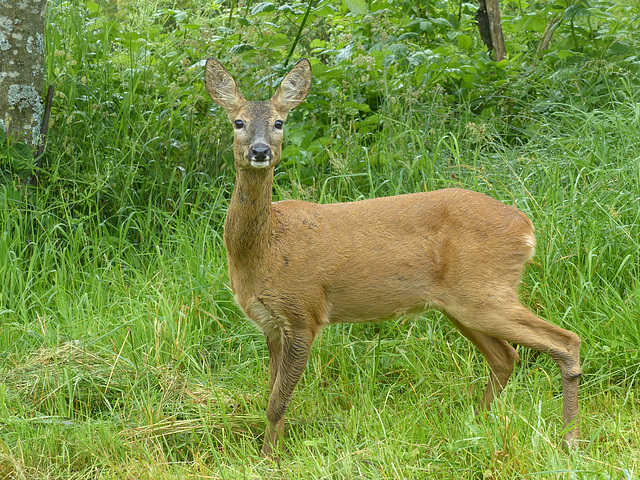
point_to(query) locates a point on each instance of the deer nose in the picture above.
(259, 153)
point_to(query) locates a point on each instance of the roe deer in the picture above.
(295, 266)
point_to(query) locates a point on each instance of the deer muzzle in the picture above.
(260, 155)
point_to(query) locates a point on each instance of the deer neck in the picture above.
(248, 224)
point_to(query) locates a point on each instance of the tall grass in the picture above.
(122, 354)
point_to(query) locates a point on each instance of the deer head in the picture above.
(258, 126)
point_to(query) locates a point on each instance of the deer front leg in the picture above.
(274, 346)
(295, 349)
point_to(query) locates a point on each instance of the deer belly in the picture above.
(384, 298)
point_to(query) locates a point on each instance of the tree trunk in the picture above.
(493, 11)
(22, 68)
(482, 18)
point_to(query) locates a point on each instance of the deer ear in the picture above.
(222, 88)
(294, 88)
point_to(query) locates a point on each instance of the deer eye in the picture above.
(238, 124)
(278, 124)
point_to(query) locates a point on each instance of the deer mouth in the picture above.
(260, 163)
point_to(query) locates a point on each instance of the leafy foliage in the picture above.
(131, 79)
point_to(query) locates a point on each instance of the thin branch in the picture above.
(548, 33)
(295, 40)
(44, 127)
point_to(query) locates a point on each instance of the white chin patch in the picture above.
(256, 164)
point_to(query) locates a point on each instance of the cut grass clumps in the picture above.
(78, 404)
(73, 383)
(91, 384)
(74, 378)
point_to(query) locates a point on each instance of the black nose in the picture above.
(260, 152)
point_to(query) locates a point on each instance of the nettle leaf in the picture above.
(19, 158)
(470, 8)
(368, 124)
(181, 16)
(286, 8)
(94, 9)
(359, 7)
(408, 35)
(620, 48)
(241, 48)
(130, 40)
(575, 11)
(399, 49)
(534, 22)
(21, 151)
(362, 107)
(426, 26)
(324, 10)
(344, 53)
(563, 54)
(263, 7)
(317, 43)
(278, 40)
(334, 73)
(464, 41)
(442, 22)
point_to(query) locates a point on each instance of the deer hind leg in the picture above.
(513, 322)
(500, 356)
(293, 355)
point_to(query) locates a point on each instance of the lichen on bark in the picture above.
(21, 68)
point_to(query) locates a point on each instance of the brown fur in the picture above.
(296, 267)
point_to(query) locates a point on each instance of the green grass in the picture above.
(122, 354)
